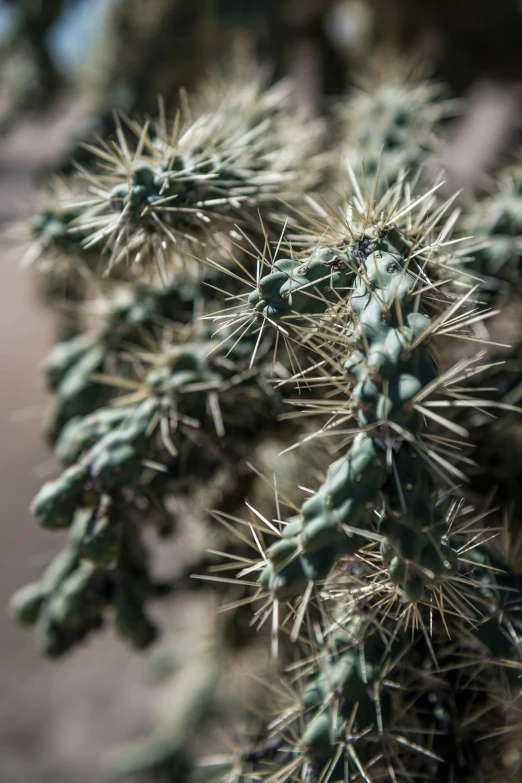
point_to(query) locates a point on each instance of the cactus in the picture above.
(102, 565)
(126, 320)
(382, 339)
(391, 122)
(496, 221)
(164, 425)
(205, 173)
(391, 367)
(395, 609)
(379, 547)
(377, 700)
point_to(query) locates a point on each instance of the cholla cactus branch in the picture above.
(391, 365)
(183, 185)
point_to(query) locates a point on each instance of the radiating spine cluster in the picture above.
(390, 362)
(174, 190)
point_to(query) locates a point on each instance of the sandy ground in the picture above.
(56, 720)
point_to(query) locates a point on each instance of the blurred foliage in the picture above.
(143, 49)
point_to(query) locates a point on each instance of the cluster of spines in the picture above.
(152, 195)
(369, 306)
(391, 364)
(127, 456)
(374, 701)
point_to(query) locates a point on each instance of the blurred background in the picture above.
(64, 66)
